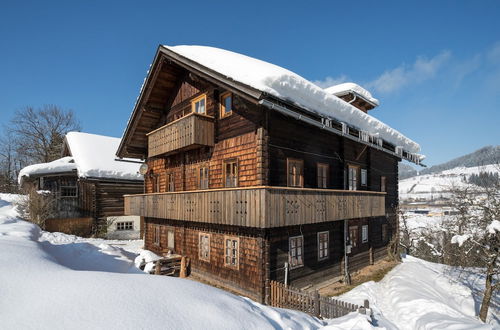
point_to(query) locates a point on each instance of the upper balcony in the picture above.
(189, 132)
(259, 207)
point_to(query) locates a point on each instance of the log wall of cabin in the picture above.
(237, 136)
(247, 279)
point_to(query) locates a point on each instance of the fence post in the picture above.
(316, 303)
(371, 256)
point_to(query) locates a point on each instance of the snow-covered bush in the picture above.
(37, 206)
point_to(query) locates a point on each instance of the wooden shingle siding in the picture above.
(259, 207)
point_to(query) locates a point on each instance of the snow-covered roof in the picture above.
(61, 165)
(289, 86)
(92, 156)
(350, 87)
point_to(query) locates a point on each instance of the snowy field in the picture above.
(57, 281)
(438, 185)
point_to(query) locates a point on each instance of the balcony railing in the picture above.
(191, 131)
(261, 207)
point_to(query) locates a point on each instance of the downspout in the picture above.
(346, 263)
(354, 99)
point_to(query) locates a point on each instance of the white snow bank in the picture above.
(422, 295)
(284, 84)
(95, 157)
(58, 281)
(349, 87)
(65, 164)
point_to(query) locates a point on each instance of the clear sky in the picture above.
(434, 65)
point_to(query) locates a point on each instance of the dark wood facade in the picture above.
(83, 205)
(256, 180)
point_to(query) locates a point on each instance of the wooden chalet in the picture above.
(250, 181)
(88, 185)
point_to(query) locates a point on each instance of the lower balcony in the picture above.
(260, 207)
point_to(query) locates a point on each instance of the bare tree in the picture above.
(476, 234)
(39, 133)
(8, 172)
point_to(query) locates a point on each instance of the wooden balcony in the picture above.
(261, 207)
(191, 131)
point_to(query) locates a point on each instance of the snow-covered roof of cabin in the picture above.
(289, 86)
(92, 156)
(61, 165)
(350, 87)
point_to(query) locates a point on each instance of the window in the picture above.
(203, 177)
(204, 247)
(198, 105)
(126, 225)
(157, 235)
(384, 232)
(323, 238)
(353, 177)
(364, 234)
(68, 187)
(382, 184)
(322, 175)
(171, 239)
(295, 255)
(171, 182)
(226, 104)
(232, 251)
(155, 182)
(364, 177)
(353, 236)
(295, 170)
(231, 173)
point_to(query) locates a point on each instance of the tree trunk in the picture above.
(488, 291)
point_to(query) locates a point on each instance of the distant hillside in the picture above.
(483, 156)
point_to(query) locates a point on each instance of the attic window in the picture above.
(198, 105)
(226, 104)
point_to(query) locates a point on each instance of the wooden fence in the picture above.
(284, 296)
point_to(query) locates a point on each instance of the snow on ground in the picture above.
(57, 281)
(438, 185)
(422, 295)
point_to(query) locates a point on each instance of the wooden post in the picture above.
(371, 255)
(158, 267)
(316, 303)
(183, 271)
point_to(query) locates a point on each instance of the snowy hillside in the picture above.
(58, 281)
(438, 185)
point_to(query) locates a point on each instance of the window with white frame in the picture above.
(296, 252)
(232, 251)
(171, 182)
(171, 238)
(125, 225)
(204, 246)
(323, 239)
(322, 175)
(203, 177)
(231, 173)
(364, 233)
(295, 170)
(364, 177)
(157, 235)
(353, 177)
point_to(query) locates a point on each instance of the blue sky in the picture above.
(434, 65)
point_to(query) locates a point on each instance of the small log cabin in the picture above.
(88, 185)
(256, 174)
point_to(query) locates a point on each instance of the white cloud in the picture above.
(330, 81)
(404, 75)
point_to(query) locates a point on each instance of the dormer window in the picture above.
(226, 104)
(198, 105)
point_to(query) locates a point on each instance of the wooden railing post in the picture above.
(316, 303)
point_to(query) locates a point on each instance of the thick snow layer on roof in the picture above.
(284, 84)
(348, 87)
(65, 164)
(94, 156)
